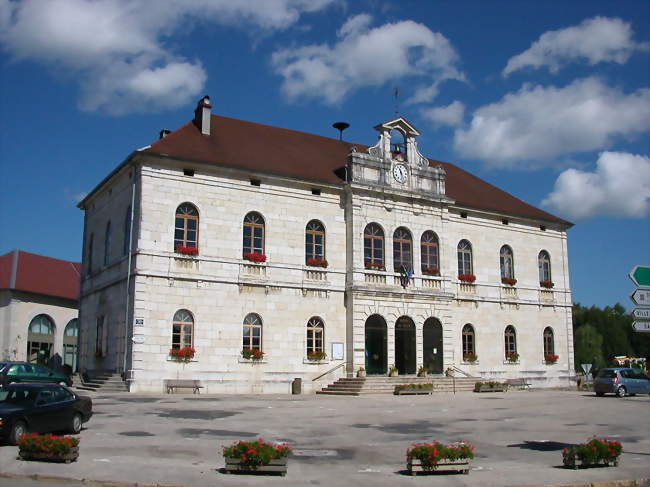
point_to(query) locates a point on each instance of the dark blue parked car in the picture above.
(621, 381)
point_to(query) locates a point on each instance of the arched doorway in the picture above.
(376, 345)
(40, 339)
(70, 344)
(405, 353)
(432, 345)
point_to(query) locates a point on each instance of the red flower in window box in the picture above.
(510, 281)
(430, 271)
(316, 356)
(184, 354)
(375, 266)
(550, 358)
(186, 250)
(255, 257)
(470, 278)
(546, 284)
(317, 262)
(252, 354)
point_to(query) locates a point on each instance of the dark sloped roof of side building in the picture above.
(300, 155)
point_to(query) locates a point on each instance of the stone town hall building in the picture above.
(226, 235)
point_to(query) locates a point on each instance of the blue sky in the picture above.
(547, 100)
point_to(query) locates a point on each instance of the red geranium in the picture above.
(510, 281)
(375, 266)
(430, 271)
(467, 278)
(546, 284)
(317, 262)
(255, 257)
(186, 250)
(551, 358)
(184, 353)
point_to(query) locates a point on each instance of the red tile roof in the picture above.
(22, 271)
(268, 149)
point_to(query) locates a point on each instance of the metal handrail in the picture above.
(342, 364)
(453, 367)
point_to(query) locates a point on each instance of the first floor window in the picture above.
(464, 258)
(510, 341)
(468, 341)
(315, 330)
(252, 332)
(373, 245)
(549, 345)
(182, 329)
(40, 339)
(99, 337)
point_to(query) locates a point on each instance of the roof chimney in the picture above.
(202, 115)
(164, 133)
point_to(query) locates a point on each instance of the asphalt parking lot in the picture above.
(352, 441)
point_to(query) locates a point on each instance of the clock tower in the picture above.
(395, 163)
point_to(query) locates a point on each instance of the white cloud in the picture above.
(117, 49)
(596, 40)
(541, 123)
(368, 57)
(451, 115)
(619, 186)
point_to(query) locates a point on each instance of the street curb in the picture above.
(90, 482)
(643, 482)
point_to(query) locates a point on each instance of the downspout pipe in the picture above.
(128, 281)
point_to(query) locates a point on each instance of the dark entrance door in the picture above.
(376, 345)
(405, 354)
(432, 345)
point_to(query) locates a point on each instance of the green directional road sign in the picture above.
(640, 275)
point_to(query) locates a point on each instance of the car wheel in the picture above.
(17, 430)
(621, 392)
(600, 394)
(75, 426)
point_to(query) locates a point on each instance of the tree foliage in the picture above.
(605, 333)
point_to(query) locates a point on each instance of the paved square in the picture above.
(519, 435)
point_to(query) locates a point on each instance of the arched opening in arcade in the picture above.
(432, 346)
(405, 348)
(376, 345)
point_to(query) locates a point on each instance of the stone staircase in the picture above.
(101, 382)
(386, 385)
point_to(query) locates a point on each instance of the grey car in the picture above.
(621, 381)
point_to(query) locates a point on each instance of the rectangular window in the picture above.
(99, 337)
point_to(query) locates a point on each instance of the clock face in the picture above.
(400, 172)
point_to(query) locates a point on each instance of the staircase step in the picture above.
(356, 386)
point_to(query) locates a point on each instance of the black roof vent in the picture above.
(164, 133)
(340, 126)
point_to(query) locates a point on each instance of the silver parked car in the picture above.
(621, 381)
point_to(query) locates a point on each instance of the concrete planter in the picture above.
(488, 388)
(71, 456)
(461, 466)
(571, 461)
(279, 465)
(414, 390)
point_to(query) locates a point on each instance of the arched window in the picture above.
(182, 329)
(464, 258)
(398, 144)
(429, 253)
(186, 226)
(315, 335)
(469, 343)
(107, 244)
(314, 242)
(253, 233)
(506, 260)
(549, 342)
(402, 249)
(70, 343)
(91, 244)
(40, 339)
(373, 246)
(127, 232)
(252, 332)
(510, 343)
(544, 264)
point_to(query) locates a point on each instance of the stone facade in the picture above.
(219, 288)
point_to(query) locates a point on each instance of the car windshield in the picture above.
(18, 396)
(607, 373)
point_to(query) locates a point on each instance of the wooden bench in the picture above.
(518, 383)
(172, 384)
